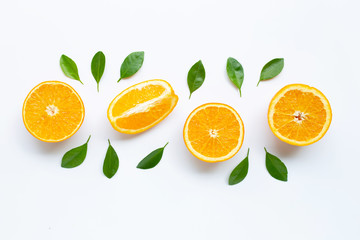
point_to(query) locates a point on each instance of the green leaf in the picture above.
(152, 159)
(196, 77)
(75, 156)
(111, 162)
(240, 171)
(276, 167)
(98, 66)
(235, 72)
(271, 69)
(131, 64)
(68, 66)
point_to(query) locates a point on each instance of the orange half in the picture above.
(213, 132)
(142, 106)
(53, 111)
(299, 114)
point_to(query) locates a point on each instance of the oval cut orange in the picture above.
(142, 106)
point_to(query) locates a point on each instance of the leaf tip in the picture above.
(283, 179)
(109, 177)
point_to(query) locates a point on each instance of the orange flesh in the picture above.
(213, 133)
(135, 97)
(52, 112)
(142, 106)
(298, 105)
(142, 119)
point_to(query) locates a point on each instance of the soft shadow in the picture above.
(284, 149)
(115, 135)
(125, 137)
(30, 142)
(201, 166)
(50, 147)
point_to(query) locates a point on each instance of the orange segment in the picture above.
(53, 111)
(299, 115)
(138, 95)
(214, 132)
(142, 106)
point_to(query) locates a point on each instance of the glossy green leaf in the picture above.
(98, 67)
(271, 69)
(276, 167)
(235, 72)
(240, 171)
(131, 64)
(196, 77)
(75, 156)
(69, 68)
(111, 162)
(152, 159)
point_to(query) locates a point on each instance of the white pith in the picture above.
(142, 107)
(299, 117)
(52, 110)
(213, 133)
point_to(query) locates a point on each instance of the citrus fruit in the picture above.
(53, 111)
(299, 114)
(141, 106)
(213, 132)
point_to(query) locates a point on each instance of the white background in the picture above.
(182, 198)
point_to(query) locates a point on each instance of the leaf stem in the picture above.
(119, 79)
(258, 83)
(81, 82)
(88, 139)
(166, 144)
(248, 152)
(109, 141)
(98, 87)
(265, 149)
(240, 92)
